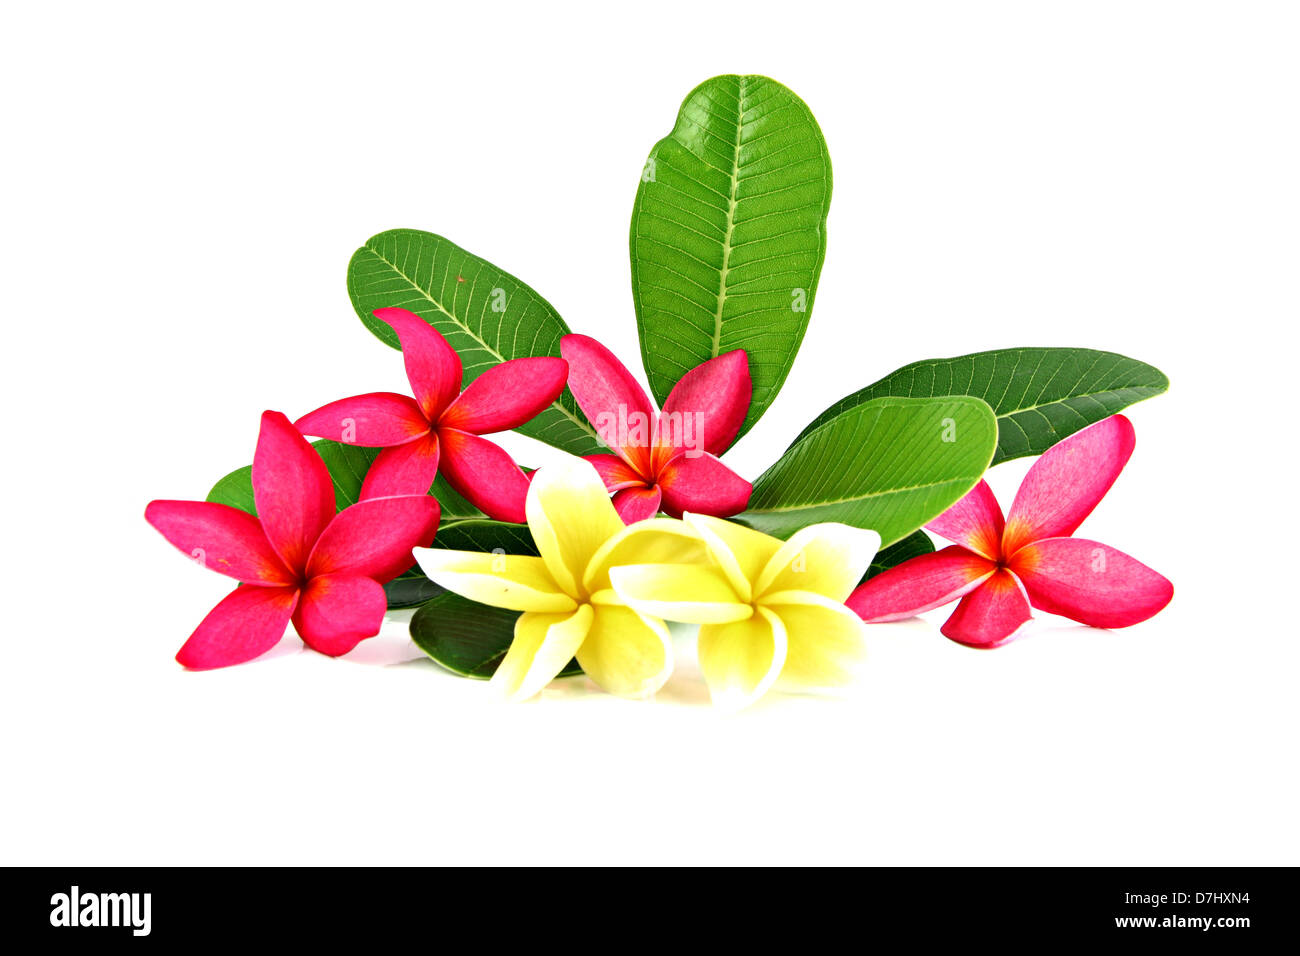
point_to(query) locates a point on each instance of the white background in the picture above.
(182, 192)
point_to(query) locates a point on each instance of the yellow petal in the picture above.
(826, 640)
(515, 581)
(543, 645)
(570, 516)
(694, 594)
(654, 541)
(625, 653)
(741, 552)
(740, 661)
(828, 559)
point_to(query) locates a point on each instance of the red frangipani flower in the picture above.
(296, 560)
(663, 460)
(441, 425)
(999, 569)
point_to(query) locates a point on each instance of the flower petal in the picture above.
(570, 517)
(741, 552)
(828, 558)
(292, 490)
(224, 539)
(741, 660)
(716, 396)
(338, 611)
(920, 584)
(404, 470)
(484, 474)
(975, 522)
(432, 365)
(374, 538)
(248, 622)
(376, 420)
(637, 504)
(507, 395)
(1067, 482)
(625, 653)
(991, 614)
(543, 645)
(656, 541)
(610, 397)
(1090, 582)
(687, 593)
(615, 472)
(826, 643)
(704, 485)
(514, 581)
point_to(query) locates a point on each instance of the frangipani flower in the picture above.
(296, 559)
(663, 460)
(442, 424)
(569, 607)
(999, 569)
(769, 610)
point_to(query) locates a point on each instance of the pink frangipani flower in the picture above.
(999, 569)
(663, 460)
(296, 560)
(441, 425)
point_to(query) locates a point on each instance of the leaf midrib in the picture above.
(582, 424)
(731, 219)
(803, 506)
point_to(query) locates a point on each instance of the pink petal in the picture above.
(610, 397)
(1090, 582)
(716, 394)
(375, 420)
(991, 614)
(248, 622)
(225, 539)
(704, 485)
(484, 474)
(292, 490)
(615, 472)
(1067, 482)
(432, 365)
(919, 584)
(339, 611)
(404, 470)
(374, 537)
(507, 395)
(637, 504)
(974, 522)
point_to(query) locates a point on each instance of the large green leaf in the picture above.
(1040, 395)
(465, 637)
(487, 535)
(729, 234)
(890, 464)
(914, 545)
(486, 314)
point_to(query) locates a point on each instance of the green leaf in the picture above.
(1040, 395)
(487, 535)
(486, 314)
(914, 545)
(729, 234)
(410, 589)
(467, 638)
(890, 464)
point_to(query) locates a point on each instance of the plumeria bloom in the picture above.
(441, 425)
(569, 607)
(663, 460)
(999, 569)
(296, 560)
(772, 611)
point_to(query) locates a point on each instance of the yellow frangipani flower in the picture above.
(570, 608)
(769, 610)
